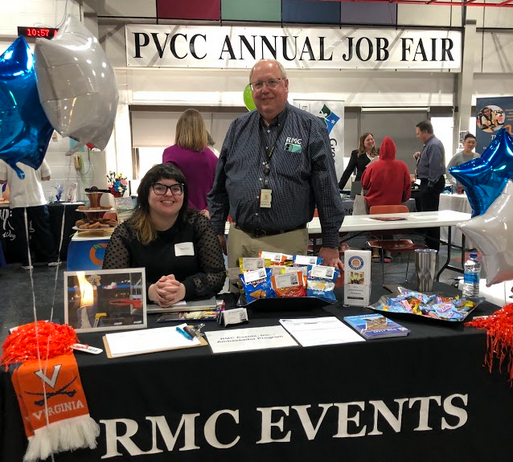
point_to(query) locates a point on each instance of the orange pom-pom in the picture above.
(499, 338)
(49, 338)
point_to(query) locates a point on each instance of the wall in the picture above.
(492, 66)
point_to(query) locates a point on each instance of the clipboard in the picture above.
(167, 339)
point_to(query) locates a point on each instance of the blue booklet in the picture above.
(372, 326)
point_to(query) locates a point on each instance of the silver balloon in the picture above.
(492, 237)
(76, 84)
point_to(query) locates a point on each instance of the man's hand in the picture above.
(222, 241)
(416, 155)
(330, 257)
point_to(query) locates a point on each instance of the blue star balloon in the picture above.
(24, 128)
(485, 178)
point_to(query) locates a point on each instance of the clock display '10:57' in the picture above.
(36, 32)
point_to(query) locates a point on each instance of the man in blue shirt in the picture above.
(274, 169)
(430, 171)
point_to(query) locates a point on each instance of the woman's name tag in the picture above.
(184, 249)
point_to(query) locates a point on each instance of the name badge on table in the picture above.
(234, 316)
(184, 249)
(266, 198)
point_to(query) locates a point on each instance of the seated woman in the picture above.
(178, 246)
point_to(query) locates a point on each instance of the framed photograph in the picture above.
(105, 300)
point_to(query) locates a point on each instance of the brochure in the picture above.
(372, 326)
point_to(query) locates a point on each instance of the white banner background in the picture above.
(311, 48)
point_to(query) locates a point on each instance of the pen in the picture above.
(221, 312)
(185, 334)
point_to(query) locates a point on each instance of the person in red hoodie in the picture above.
(387, 180)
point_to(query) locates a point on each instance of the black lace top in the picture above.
(191, 252)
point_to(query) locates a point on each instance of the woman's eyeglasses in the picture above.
(160, 189)
(272, 83)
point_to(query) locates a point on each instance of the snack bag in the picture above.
(277, 270)
(257, 284)
(308, 260)
(273, 258)
(288, 285)
(321, 282)
(288, 260)
(250, 264)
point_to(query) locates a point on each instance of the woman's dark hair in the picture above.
(140, 220)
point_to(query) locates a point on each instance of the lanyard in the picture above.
(269, 152)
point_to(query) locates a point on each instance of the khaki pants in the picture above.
(241, 244)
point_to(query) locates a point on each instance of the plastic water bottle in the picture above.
(471, 274)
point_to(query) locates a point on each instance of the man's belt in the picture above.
(256, 233)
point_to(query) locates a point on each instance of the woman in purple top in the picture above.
(191, 155)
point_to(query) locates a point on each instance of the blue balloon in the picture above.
(24, 128)
(484, 178)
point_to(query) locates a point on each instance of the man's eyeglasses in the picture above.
(271, 83)
(160, 189)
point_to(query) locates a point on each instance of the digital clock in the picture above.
(37, 32)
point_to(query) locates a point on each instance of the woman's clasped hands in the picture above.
(167, 291)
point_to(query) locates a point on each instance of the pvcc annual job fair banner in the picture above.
(240, 47)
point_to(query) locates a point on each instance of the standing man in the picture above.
(430, 170)
(469, 144)
(28, 195)
(275, 167)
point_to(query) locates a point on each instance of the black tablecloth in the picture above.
(55, 210)
(419, 398)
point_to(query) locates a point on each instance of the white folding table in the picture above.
(412, 220)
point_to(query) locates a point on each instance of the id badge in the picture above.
(266, 198)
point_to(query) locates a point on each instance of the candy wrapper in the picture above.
(434, 306)
(321, 282)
